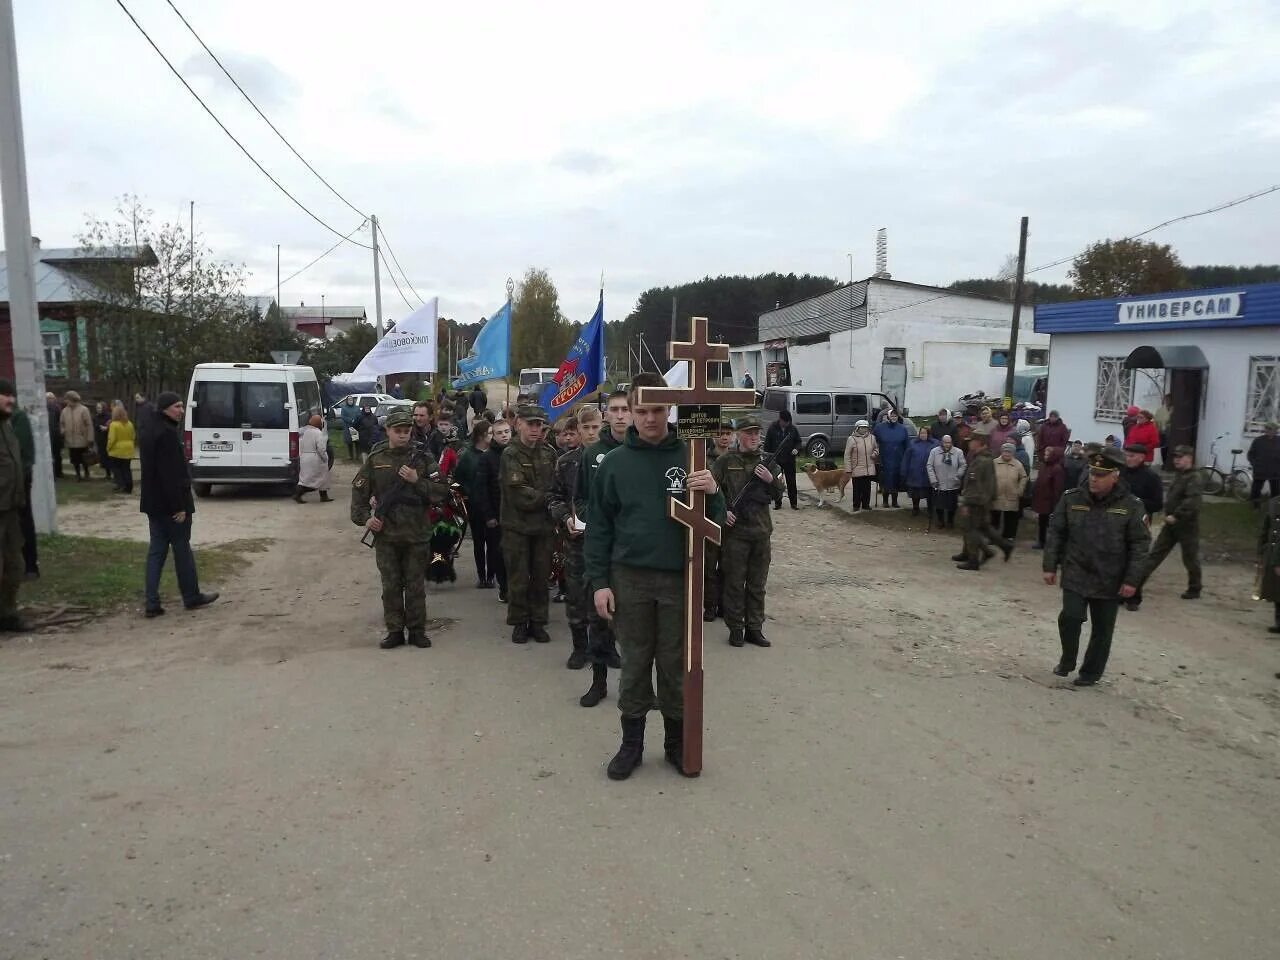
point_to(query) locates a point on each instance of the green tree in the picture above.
(540, 334)
(1121, 268)
(339, 354)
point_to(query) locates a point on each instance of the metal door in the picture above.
(893, 374)
(215, 419)
(265, 426)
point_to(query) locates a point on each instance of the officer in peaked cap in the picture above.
(525, 477)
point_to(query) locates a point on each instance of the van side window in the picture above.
(775, 400)
(264, 406)
(215, 405)
(306, 395)
(851, 405)
(818, 404)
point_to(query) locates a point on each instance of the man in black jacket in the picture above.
(1264, 459)
(488, 501)
(784, 438)
(1145, 484)
(167, 502)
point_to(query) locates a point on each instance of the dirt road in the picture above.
(899, 776)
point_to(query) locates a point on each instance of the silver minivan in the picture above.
(824, 416)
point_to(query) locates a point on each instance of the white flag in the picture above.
(409, 348)
(677, 376)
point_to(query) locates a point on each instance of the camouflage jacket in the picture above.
(1099, 544)
(733, 471)
(1183, 499)
(979, 489)
(587, 468)
(564, 486)
(406, 522)
(525, 479)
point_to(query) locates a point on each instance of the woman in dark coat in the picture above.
(1051, 481)
(915, 470)
(784, 438)
(101, 424)
(892, 436)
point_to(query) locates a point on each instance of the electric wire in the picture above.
(299, 272)
(396, 259)
(392, 275)
(174, 70)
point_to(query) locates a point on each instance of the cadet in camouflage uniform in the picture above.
(745, 547)
(403, 535)
(1181, 522)
(1269, 559)
(561, 504)
(528, 465)
(977, 494)
(1099, 540)
(713, 582)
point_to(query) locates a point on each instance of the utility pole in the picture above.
(1011, 361)
(191, 256)
(673, 319)
(279, 305)
(377, 282)
(24, 321)
(640, 353)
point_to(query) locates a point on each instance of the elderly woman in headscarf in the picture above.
(313, 460)
(1024, 444)
(892, 436)
(945, 468)
(861, 455)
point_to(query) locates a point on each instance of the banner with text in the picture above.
(409, 348)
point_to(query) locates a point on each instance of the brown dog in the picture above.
(824, 480)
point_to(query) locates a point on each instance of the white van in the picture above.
(532, 379)
(243, 420)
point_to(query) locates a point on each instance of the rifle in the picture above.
(754, 493)
(400, 493)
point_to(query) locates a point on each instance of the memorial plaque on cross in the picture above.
(700, 354)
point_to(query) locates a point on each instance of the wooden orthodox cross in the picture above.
(693, 515)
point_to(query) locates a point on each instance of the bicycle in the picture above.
(1236, 482)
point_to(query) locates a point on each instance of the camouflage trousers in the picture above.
(528, 561)
(581, 607)
(404, 586)
(744, 566)
(978, 532)
(649, 620)
(1184, 535)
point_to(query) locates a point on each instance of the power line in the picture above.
(268, 122)
(397, 263)
(392, 275)
(303, 270)
(190, 90)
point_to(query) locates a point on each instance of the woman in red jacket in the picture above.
(1144, 432)
(1048, 489)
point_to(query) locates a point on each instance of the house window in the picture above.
(999, 358)
(1037, 357)
(1262, 402)
(1114, 391)
(55, 352)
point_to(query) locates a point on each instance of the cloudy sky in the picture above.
(663, 143)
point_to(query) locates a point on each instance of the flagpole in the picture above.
(506, 383)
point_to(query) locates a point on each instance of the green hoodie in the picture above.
(587, 466)
(628, 521)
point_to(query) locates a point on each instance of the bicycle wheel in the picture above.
(1241, 484)
(1212, 481)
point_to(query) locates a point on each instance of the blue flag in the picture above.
(582, 370)
(489, 354)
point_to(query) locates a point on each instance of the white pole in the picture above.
(377, 282)
(24, 321)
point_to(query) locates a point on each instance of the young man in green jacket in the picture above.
(635, 555)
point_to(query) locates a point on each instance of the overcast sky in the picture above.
(661, 142)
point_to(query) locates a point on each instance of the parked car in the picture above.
(825, 416)
(366, 400)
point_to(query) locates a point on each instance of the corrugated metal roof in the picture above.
(312, 314)
(56, 279)
(840, 309)
(1261, 307)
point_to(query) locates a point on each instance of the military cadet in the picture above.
(1269, 559)
(976, 496)
(561, 504)
(389, 498)
(635, 558)
(528, 465)
(713, 582)
(1099, 541)
(1181, 522)
(745, 547)
(1145, 484)
(602, 647)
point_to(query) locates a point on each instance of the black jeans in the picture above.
(862, 493)
(920, 493)
(1042, 519)
(55, 448)
(493, 555)
(77, 457)
(165, 533)
(1006, 521)
(122, 473)
(1273, 483)
(480, 547)
(944, 502)
(29, 554)
(788, 469)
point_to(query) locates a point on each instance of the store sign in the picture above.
(1214, 306)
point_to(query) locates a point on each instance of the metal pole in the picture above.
(377, 282)
(24, 321)
(191, 255)
(673, 319)
(279, 305)
(1017, 313)
(506, 387)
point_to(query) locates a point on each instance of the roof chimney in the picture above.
(882, 254)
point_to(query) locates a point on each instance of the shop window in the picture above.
(1114, 391)
(1262, 403)
(55, 352)
(1037, 356)
(999, 358)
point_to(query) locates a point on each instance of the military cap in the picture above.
(1135, 448)
(726, 423)
(748, 422)
(1107, 461)
(1092, 447)
(1182, 450)
(531, 411)
(399, 418)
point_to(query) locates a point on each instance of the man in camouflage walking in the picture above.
(528, 465)
(745, 551)
(1181, 522)
(561, 503)
(977, 494)
(403, 479)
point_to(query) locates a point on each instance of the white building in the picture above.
(925, 346)
(1217, 352)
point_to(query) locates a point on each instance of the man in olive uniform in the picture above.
(1181, 522)
(713, 582)
(528, 465)
(745, 547)
(406, 477)
(977, 494)
(1269, 559)
(602, 647)
(561, 504)
(13, 497)
(1099, 540)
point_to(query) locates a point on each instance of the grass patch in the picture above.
(68, 489)
(105, 575)
(1230, 528)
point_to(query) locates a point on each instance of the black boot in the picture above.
(419, 639)
(960, 557)
(539, 633)
(673, 744)
(599, 688)
(297, 493)
(392, 640)
(967, 565)
(736, 637)
(895, 499)
(324, 496)
(756, 636)
(1006, 546)
(519, 633)
(631, 752)
(578, 659)
(708, 615)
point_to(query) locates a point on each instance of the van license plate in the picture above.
(216, 446)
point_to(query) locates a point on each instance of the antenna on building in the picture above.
(882, 254)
